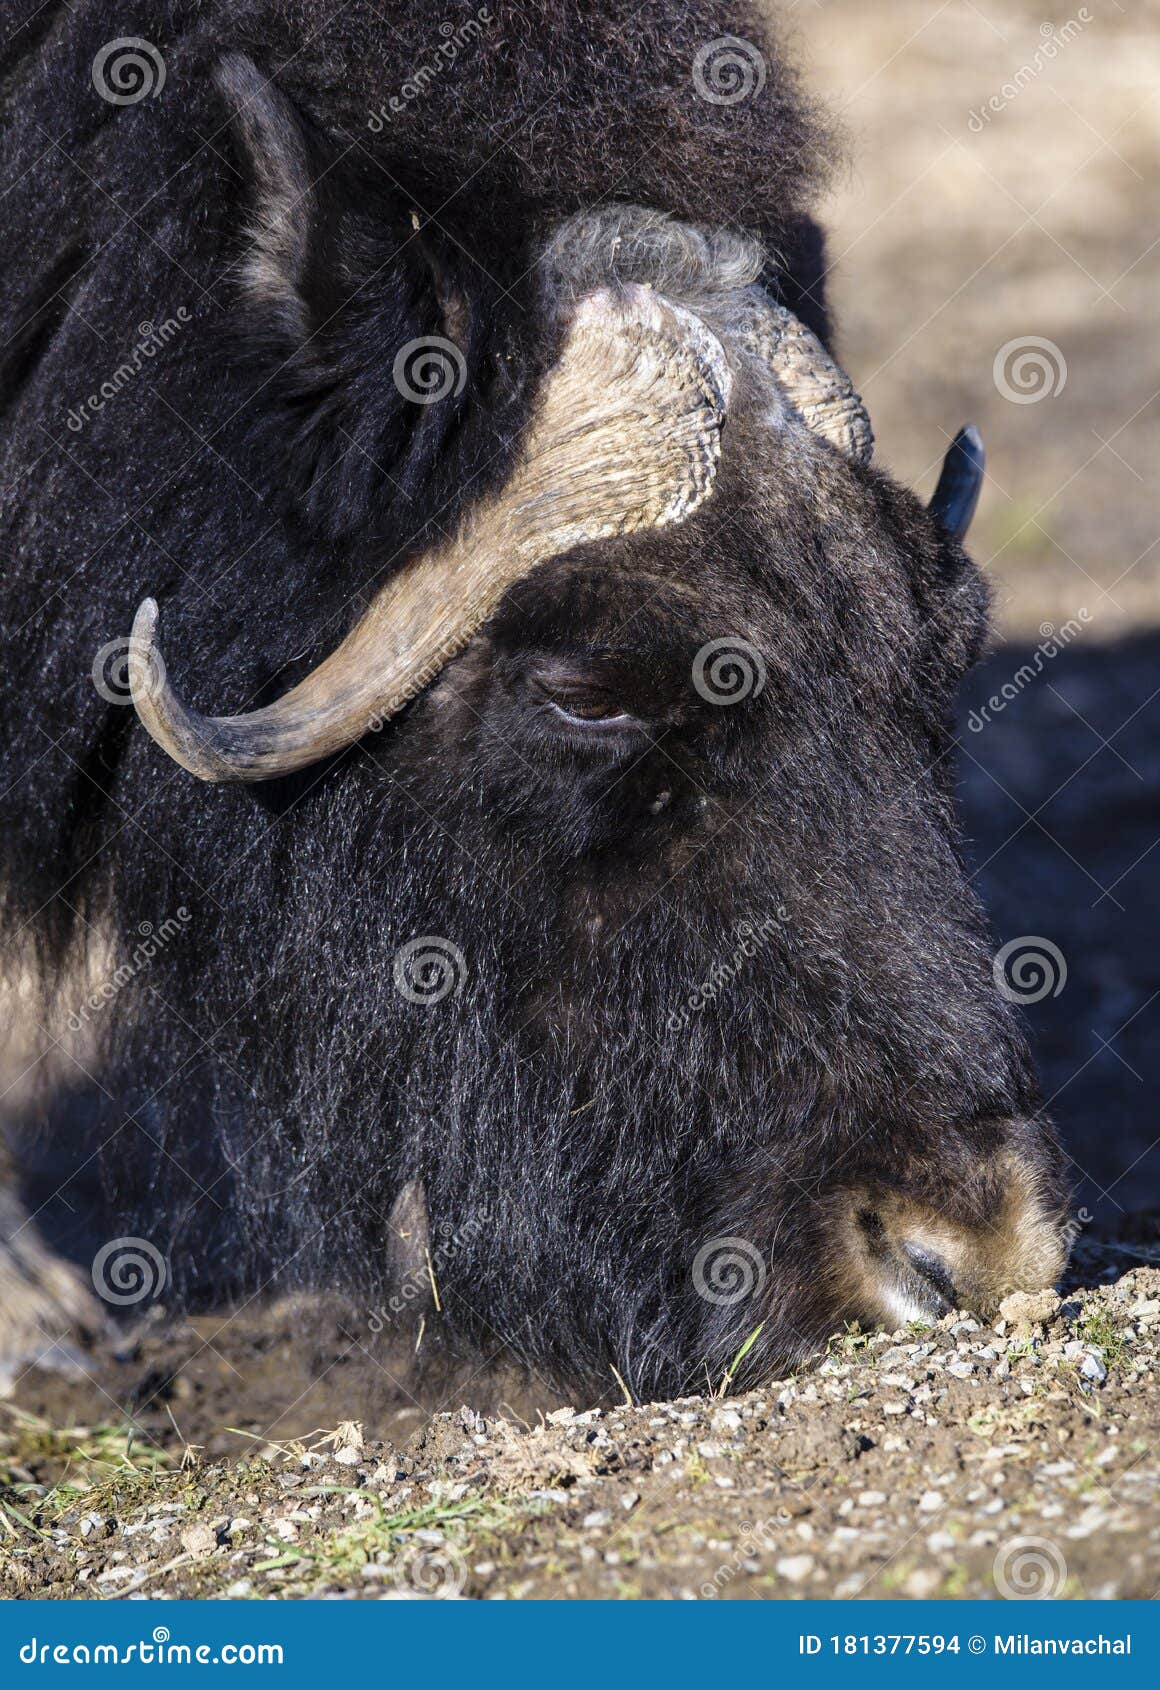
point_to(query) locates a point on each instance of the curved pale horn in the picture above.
(820, 391)
(960, 483)
(626, 436)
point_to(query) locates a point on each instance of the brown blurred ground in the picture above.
(950, 239)
(1003, 189)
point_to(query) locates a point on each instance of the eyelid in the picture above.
(593, 724)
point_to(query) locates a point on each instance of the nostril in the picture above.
(934, 1270)
(872, 1228)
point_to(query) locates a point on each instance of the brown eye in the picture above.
(590, 712)
(588, 709)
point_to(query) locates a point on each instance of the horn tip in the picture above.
(969, 440)
(145, 621)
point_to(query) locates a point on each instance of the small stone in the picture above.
(922, 1583)
(871, 1498)
(1092, 1367)
(239, 1588)
(795, 1568)
(595, 1521)
(1026, 1309)
(348, 1456)
(565, 1417)
(198, 1540)
(930, 1502)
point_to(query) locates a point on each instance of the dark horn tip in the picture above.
(961, 481)
(969, 441)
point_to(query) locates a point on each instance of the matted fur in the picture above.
(264, 1091)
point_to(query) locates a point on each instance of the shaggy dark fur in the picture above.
(263, 1090)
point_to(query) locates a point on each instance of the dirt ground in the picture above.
(962, 1460)
(279, 1451)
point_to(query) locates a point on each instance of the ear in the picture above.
(339, 282)
(272, 138)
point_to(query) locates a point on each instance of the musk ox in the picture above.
(515, 837)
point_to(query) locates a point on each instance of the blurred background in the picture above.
(995, 258)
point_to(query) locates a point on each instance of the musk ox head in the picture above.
(635, 755)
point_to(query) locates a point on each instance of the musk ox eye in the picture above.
(590, 697)
(592, 713)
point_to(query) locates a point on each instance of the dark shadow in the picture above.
(1060, 798)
